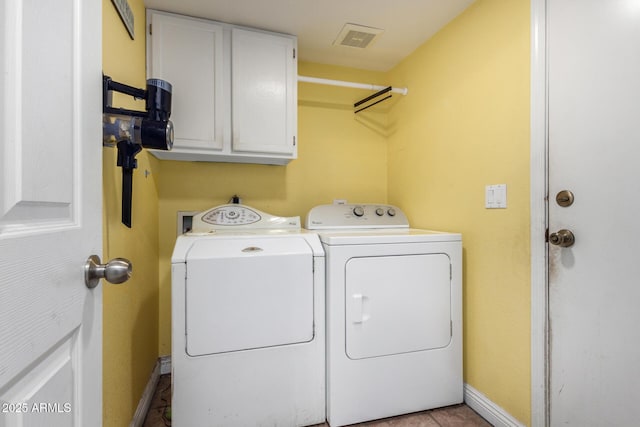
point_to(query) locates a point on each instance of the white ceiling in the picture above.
(406, 24)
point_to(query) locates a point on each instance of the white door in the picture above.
(594, 151)
(50, 212)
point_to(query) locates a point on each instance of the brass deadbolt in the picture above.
(564, 198)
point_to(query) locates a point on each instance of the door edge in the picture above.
(539, 174)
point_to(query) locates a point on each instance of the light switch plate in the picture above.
(495, 196)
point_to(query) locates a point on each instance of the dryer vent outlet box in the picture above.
(185, 221)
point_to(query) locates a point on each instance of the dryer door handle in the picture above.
(357, 308)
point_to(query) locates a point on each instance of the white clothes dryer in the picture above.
(394, 313)
(248, 341)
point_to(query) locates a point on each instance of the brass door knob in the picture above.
(562, 238)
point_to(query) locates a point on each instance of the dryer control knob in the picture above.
(358, 211)
(379, 211)
(391, 212)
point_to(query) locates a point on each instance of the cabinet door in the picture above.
(187, 52)
(264, 92)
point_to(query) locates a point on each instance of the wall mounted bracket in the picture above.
(130, 131)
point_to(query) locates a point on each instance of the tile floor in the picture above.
(159, 414)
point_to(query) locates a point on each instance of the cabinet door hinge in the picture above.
(294, 54)
(150, 29)
(294, 141)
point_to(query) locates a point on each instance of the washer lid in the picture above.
(185, 242)
(246, 247)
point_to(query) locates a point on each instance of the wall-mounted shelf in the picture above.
(366, 102)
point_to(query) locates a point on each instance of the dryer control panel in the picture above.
(350, 216)
(236, 216)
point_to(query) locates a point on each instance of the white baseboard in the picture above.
(147, 396)
(165, 365)
(488, 410)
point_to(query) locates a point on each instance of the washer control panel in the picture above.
(356, 216)
(231, 215)
(236, 216)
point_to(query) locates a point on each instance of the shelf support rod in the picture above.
(366, 86)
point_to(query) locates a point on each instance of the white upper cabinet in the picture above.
(188, 53)
(262, 84)
(234, 89)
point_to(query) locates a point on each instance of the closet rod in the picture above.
(317, 80)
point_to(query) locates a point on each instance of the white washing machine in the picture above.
(394, 313)
(248, 341)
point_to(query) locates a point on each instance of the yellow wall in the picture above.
(337, 158)
(465, 124)
(131, 309)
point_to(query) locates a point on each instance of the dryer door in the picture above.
(246, 293)
(397, 304)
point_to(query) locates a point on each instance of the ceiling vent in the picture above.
(359, 36)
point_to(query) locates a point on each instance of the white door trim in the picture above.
(539, 218)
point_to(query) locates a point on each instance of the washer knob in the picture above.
(379, 211)
(391, 212)
(358, 211)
